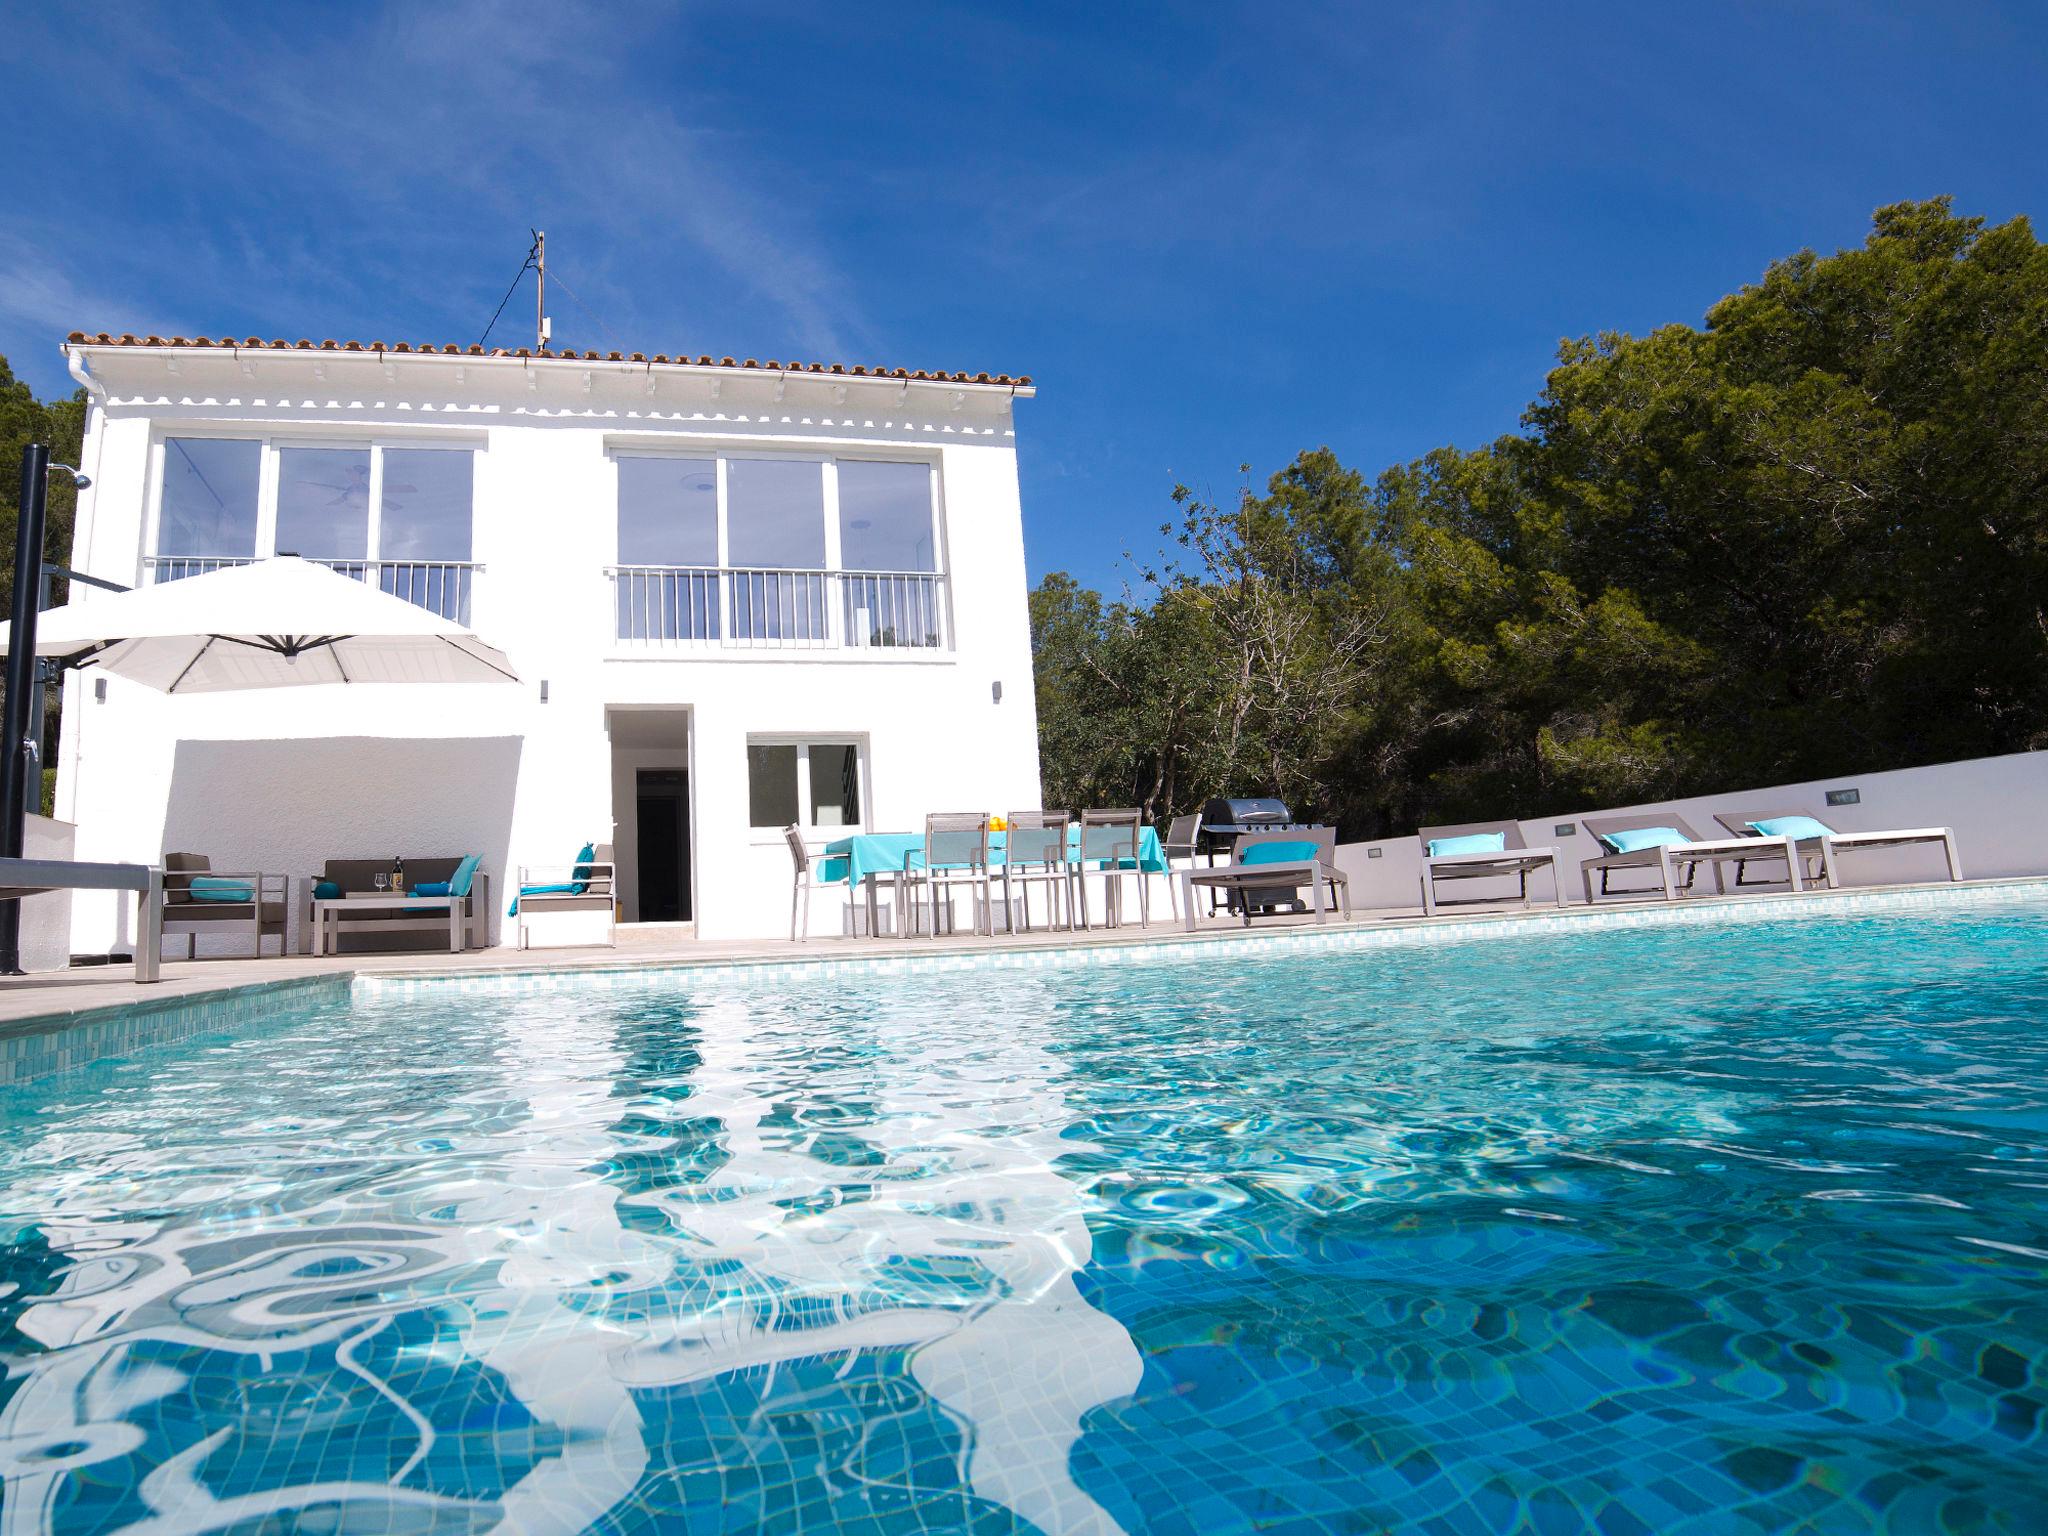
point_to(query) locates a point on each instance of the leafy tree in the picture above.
(1807, 537)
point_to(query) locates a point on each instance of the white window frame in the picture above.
(273, 445)
(805, 740)
(724, 452)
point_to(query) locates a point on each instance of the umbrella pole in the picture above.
(22, 686)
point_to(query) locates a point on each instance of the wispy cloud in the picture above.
(352, 166)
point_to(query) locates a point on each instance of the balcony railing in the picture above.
(439, 586)
(788, 610)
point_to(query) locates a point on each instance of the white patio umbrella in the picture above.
(279, 623)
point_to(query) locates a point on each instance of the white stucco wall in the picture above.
(1998, 807)
(284, 779)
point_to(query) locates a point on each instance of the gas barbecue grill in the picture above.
(1224, 820)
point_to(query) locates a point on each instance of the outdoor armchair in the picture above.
(585, 884)
(1481, 850)
(1817, 842)
(199, 899)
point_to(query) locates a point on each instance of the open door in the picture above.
(662, 805)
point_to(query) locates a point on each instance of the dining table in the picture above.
(864, 858)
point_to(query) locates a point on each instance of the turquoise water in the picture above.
(1695, 1230)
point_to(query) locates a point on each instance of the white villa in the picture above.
(738, 595)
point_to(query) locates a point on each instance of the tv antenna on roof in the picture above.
(542, 329)
(537, 260)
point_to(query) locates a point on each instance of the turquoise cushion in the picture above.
(544, 890)
(217, 888)
(1801, 827)
(583, 869)
(326, 890)
(431, 888)
(1473, 842)
(465, 874)
(1636, 839)
(1278, 853)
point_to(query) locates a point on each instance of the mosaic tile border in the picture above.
(37, 1047)
(1176, 947)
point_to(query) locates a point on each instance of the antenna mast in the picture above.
(540, 289)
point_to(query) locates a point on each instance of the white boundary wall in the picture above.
(1998, 807)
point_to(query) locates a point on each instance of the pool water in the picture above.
(1705, 1229)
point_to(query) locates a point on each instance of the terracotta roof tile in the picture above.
(939, 376)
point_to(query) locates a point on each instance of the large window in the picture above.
(323, 503)
(429, 494)
(803, 783)
(779, 552)
(398, 515)
(668, 512)
(885, 517)
(775, 514)
(211, 490)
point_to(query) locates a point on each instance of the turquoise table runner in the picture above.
(853, 859)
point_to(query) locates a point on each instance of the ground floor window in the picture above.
(807, 783)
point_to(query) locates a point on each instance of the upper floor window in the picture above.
(784, 551)
(210, 495)
(775, 513)
(344, 504)
(403, 513)
(885, 516)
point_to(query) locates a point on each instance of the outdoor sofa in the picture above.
(1480, 850)
(377, 927)
(232, 903)
(1266, 868)
(1663, 841)
(1818, 842)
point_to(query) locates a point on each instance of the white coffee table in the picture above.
(329, 911)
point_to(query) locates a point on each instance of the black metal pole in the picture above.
(22, 683)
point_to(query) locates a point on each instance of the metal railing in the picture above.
(778, 609)
(439, 586)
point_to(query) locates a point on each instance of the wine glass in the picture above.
(381, 880)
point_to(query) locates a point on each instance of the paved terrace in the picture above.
(50, 999)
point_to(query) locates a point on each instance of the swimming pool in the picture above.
(1701, 1229)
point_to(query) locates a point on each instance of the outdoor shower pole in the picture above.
(22, 684)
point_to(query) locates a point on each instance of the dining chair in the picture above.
(1035, 853)
(1111, 842)
(804, 881)
(955, 853)
(1179, 843)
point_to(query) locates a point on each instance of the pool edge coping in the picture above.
(1395, 933)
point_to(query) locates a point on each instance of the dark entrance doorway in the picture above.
(663, 803)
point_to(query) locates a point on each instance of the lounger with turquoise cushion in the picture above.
(1482, 850)
(1648, 840)
(1818, 841)
(1267, 871)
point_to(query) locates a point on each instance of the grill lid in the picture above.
(1247, 811)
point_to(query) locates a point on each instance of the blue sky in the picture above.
(1213, 235)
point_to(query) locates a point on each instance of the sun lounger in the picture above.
(1661, 840)
(1814, 839)
(1268, 867)
(1481, 850)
